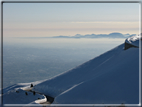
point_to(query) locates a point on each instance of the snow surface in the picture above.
(111, 78)
(20, 85)
(114, 83)
(19, 97)
(15, 94)
(134, 40)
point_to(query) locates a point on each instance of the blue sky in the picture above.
(53, 19)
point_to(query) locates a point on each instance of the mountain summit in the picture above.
(111, 78)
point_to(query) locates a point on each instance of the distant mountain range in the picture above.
(111, 35)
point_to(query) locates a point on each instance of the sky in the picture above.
(69, 19)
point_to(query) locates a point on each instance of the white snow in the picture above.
(40, 101)
(18, 96)
(115, 83)
(111, 78)
(21, 86)
(27, 88)
(134, 40)
(15, 94)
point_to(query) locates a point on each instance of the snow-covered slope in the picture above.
(116, 81)
(111, 78)
(19, 96)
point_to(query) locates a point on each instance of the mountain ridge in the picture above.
(111, 35)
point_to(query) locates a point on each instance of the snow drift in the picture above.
(111, 78)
